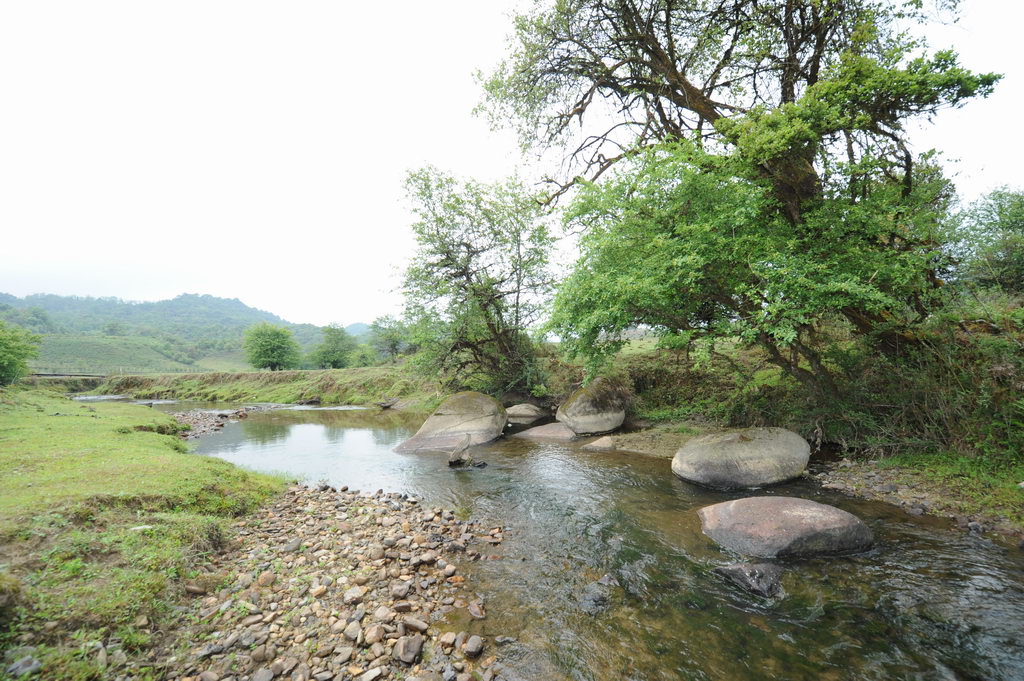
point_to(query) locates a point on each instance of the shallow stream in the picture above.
(928, 602)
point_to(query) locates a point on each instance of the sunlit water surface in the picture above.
(928, 602)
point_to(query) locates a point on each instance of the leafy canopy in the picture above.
(686, 249)
(271, 347)
(17, 346)
(994, 229)
(477, 281)
(335, 350)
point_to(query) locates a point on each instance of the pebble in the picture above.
(474, 646)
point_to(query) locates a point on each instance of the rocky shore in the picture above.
(911, 490)
(337, 585)
(204, 421)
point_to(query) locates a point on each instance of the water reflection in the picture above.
(927, 603)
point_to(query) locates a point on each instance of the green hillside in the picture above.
(211, 322)
(103, 354)
(187, 333)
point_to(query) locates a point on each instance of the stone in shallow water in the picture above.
(479, 416)
(770, 527)
(524, 413)
(742, 459)
(596, 408)
(555, 432)
(758, 578)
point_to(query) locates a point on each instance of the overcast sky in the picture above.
(256, 150)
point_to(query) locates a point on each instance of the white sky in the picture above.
(255, 150)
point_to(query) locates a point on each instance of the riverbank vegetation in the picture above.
(359, 386)
(103, 515)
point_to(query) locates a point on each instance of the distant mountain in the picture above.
(215, 323)
(359, 331)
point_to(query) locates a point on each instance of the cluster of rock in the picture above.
(468, 419)
(339, 586)
(773, 527)
(204, 421)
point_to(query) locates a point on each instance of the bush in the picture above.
(17, 346)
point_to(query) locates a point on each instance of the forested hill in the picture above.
(190, 317)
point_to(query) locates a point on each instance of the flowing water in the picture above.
(928, 602)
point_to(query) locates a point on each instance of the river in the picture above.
(928, 602)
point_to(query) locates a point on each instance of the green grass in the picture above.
(965, 485)
(102, 354)
(362, 385)
(102, 516)
(224, 361)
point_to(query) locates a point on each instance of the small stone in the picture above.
(266, 578)
(292, 545)
(407, 648)
(352, 631)
(417, 624)
(474, 646)
(354, 595)
(209, 676)
(319, 591)
(374, 634)
(371, 675)
(263, 675)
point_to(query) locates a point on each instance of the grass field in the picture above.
(103, 514)
(224, 361)
(102, 355)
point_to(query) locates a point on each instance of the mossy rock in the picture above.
(596, 408)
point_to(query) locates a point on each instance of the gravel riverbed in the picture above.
(338, 585)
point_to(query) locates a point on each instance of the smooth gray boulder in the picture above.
(525, 413)
(784, 527)
(556, 432)
(472, 414)
(594, 409)
(742, 459)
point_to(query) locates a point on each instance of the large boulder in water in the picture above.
(525, 413)
(784, 527)
(594, 409)
(472, 414)
(742, 459)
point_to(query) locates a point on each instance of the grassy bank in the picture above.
(362, 385)
(103, 515)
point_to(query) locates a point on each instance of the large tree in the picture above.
(805, 102)
(271, 347)
(478, 279)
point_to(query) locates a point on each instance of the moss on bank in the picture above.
(362, 385)
(102, 517)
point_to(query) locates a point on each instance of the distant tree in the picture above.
(478, 279)
(993, 227)
(271, 347)
(389, 336)
(17, 346)
(115, 328)
(334, 351)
